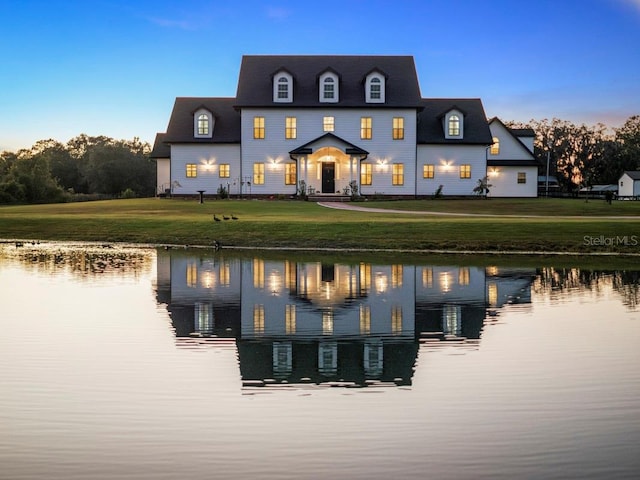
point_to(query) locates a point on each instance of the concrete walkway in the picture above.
(358, 208)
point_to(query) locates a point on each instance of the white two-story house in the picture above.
(328, 124)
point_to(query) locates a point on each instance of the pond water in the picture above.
(139, 363)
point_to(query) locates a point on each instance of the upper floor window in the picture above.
(398, 128)
(290, 128)
(202, 123)
(258, 128)
(495, 146)
(283, 88)
(375, 88)
(329, 88)
(328, 124)
(454, 126)
(366, 128)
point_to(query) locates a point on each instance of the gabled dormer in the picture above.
(375, 87)
(453, 124)
(329, 87)
(203, 123)
(282, 86)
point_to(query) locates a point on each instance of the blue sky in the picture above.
(114, 67)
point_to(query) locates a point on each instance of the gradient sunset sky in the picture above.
(114, 67)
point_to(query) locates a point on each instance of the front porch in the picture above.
(328, 166)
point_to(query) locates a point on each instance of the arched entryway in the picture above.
(328, 165)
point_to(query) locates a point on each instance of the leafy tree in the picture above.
(113, 168)
(64, 168)
(29, 180)
(628, 138)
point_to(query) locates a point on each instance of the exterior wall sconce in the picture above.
(447, 165)
(382, 165)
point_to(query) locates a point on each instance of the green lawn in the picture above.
(297, 224)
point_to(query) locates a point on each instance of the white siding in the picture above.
(163, 174)
(447, 160)
(510, 147)
(504, 181)
(207, 157)
(274, 149)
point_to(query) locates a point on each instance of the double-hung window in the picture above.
(366, 128)
(366, 177)
(258, 128)
(398, 128)
(290, 173)
(258, 173)
(290, 128)
(397, 174)
(428, 171)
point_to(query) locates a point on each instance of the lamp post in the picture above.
(546, 186)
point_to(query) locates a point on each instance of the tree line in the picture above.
(582, 156)
(86, 167)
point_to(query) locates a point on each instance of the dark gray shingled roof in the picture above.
(431, 127)
(255, 84)
(160, 149)
(634, 174)
(523, 132)
(227, 120)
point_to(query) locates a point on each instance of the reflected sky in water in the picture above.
(136, 363)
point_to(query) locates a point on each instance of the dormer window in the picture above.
(203, 123)
(283, 88)
(329, 88)
(375, 88)
(454, 125)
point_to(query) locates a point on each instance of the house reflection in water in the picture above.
(323, 323)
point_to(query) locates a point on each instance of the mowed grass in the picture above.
(296, 224)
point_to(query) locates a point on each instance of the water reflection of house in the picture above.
(297, 322)
(452, 302)
(202, 293)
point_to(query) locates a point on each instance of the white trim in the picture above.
(329, 78)
(196, 116)
(282, 78)
(375, 78)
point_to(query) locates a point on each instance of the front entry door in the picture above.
(328, 177)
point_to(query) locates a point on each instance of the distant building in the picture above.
(629, 184)
(334, 122)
